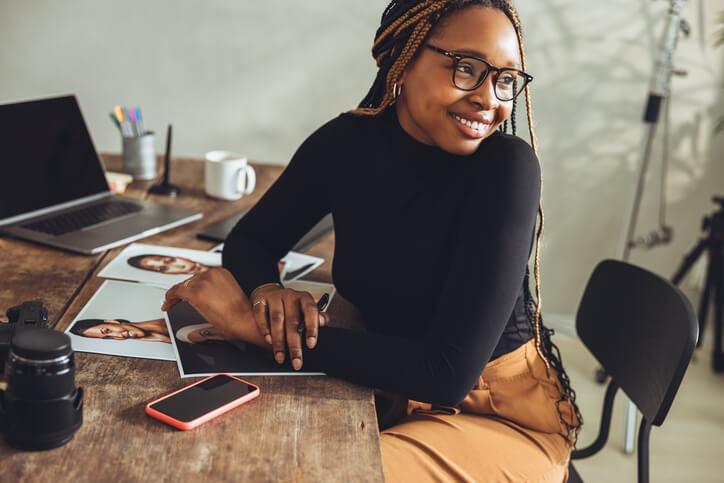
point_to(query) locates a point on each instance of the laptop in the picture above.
(53, 188)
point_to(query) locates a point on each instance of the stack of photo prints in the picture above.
(124, 317)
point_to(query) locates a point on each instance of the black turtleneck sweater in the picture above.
(431, 247)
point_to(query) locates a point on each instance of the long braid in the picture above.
(402, 36)
(513, 15)
(554, 357)
(404, 26)
(513, 124)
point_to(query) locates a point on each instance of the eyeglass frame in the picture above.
(490, 67)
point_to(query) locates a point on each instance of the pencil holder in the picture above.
(139, 156)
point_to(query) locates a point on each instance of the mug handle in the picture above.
(250, 179)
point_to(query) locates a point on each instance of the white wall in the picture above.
(593, 64)
(258, 77)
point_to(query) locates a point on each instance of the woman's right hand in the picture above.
(278, 311)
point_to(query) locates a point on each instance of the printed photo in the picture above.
(123, 319)
(293, 266)
(158, 265)
(203, 350)
(297, 265)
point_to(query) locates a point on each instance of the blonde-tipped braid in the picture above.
(408, 50)
(569, 394)
(534, 144)
(398, 23)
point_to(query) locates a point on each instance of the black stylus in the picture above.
(321, 305)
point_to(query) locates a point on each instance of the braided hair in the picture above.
(404, 26)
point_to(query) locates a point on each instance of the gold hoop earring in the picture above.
(396, 90)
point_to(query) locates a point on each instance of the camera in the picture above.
(40, 407)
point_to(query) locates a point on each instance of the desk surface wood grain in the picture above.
(299, 429)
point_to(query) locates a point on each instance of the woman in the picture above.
(121, 329)
(469, 385)
(166, 264)
(199, 334)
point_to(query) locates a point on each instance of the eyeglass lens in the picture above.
(469, 72)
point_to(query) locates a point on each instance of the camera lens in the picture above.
(41, 405)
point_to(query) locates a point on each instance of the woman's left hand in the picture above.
(219, 299)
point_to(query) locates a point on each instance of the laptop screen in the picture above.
(46, 156)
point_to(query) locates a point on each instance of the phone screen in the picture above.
(202, 398)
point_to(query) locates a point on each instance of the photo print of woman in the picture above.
(203, 349)
(165, 264)
(123, 319)
(121, 329)
(159, 265)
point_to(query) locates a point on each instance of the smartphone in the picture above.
(201, 401)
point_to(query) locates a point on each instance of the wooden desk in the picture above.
(299, 429)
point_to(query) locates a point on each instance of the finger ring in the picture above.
(188, 282)
(260, 301)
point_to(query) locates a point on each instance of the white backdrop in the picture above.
(258, 77)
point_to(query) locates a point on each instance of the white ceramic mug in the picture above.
(228, 176)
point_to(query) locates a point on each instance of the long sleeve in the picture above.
(492, 241)
(440, 345)
(293, 204)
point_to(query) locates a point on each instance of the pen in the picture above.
(139, 121)
(121, 115)
(115, 120)
(128, 121)
(321, 305)
(118, 112)
(323, 301)
(134, 127)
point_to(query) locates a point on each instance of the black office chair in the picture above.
(642, 330)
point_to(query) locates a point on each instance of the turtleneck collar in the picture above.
(405, 141)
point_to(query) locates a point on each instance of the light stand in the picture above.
(659, 92)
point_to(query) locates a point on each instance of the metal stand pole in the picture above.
(659, 91)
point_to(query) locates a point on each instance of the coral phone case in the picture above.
(202, 418)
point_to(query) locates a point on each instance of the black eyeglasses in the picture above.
(470, 72)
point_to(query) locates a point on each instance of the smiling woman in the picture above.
(166, 264)
(424, 181)
(121, 329)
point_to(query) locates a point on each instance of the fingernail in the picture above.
(311, 341)
(321, 319)
(279, 357)
(296, 364)
(268, 339)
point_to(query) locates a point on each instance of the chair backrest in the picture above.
(642, 330)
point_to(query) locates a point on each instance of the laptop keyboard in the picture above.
(82, 218)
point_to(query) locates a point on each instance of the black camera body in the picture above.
(40, 408)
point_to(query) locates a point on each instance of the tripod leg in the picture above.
(704, 301)
(718, 277)
(601, 375)
(689, 260)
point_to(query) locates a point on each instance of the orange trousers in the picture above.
(508, 428)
